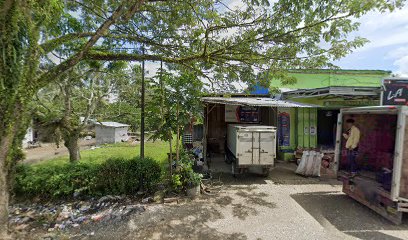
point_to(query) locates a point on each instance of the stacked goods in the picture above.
(310, 164)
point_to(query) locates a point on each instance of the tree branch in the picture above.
(111, 56)
(135, 5)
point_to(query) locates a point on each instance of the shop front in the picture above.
(219, 112)
(315, 128)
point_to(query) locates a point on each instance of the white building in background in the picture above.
(111, 132)
(29, 137)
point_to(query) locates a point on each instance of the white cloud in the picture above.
(397, 53)
(387, 31)
(402, 64)
(235, 4)
(388, 36)
(400, 58)
(384, 29)
(151, 68)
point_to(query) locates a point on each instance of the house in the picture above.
(330, 90)
(220, 111)
(111, 132)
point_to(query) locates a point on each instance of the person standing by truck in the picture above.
(352, 136)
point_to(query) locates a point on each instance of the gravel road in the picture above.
(283, 206)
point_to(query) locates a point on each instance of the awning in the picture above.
(345, 91)
(255, 101)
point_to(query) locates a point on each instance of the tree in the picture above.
(68, 105)
(186, 90)
(175, 102)
(125, 107)
(29, 32)
(205, 36)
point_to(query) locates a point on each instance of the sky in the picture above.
(387, 49)
(388, 46)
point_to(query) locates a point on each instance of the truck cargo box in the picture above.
(251, 145)
(381, 182)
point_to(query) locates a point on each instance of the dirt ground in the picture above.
(282, 206)
(49, 151)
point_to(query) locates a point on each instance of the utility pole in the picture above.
(142, 112)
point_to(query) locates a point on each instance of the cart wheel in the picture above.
(265, 172)
(234, 169)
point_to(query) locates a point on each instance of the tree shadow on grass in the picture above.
(333, 209)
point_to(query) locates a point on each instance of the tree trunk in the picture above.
(178, 134)
(71, 142)
(4, 189)
(171, 157)
(178, 144)
(4, 201)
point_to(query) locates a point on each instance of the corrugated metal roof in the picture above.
(336, 90)
(253, 101)
(112, 124)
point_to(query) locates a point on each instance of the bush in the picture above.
(184, 177)
(120, 176)
(114, 176)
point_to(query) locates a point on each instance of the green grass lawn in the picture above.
(157, 150)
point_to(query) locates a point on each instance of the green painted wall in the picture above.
(336, 102)
(324, 78)
(305, 119)
(306, 130)
(303, 130)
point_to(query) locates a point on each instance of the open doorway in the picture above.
(326, 128)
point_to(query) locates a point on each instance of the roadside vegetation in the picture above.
(112, 169)
(115, 176)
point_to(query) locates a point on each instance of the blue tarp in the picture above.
(259, 90)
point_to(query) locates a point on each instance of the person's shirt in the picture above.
(353, 138)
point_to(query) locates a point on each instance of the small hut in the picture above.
(111, 132)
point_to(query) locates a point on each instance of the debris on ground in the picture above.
(147, 200)
(171, 200)
(211, 187)
(51, 217)
(159, 196)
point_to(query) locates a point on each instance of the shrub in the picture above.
(114, 176)
(120, 176)
(184, 177)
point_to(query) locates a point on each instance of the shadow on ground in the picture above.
(282, 174)
(333, 209)
(183, 221)
(190, 220)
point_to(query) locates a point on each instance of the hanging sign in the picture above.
(312, 130)
(248, 114)
(306, 130)
(284, 129)
(395, 92)
(231, 113)
(241, 114)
